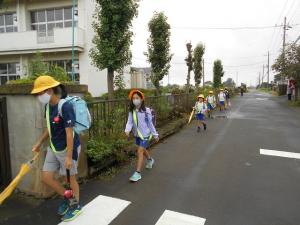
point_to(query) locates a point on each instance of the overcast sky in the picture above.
(241, 51)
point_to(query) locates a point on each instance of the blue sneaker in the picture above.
(149, 163)
(72, 213)
(135, 177)
(63, 207)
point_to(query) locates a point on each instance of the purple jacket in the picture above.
(146, 127)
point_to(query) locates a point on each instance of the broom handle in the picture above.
(68, 177)
(35, 157)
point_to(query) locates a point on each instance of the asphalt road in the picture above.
(218, 174)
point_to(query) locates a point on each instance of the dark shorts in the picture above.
(200, 116)
(222, 103)
(209, 106)
(142, 143)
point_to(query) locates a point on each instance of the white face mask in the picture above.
(137, 102)
(44, 98)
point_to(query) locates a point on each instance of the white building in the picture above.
(140, 78)
(28, 26)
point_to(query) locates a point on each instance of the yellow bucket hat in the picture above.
(43, 83)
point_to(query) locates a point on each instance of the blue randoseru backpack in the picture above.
(82, 114)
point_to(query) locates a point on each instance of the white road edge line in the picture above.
(100, 211)
(292, 155)
(175, 218)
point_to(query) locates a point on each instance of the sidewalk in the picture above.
(19, 204)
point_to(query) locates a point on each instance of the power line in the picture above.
(295, 12)
(233, 28)
(291, 8)
(278, 21)
(231, 66)
(211, 63)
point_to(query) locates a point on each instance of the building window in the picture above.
(67, 66)
(44, 21)
(9, 71)
(8, 23)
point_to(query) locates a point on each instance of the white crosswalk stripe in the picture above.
(175, 218)
(292, 155)
(100, 211)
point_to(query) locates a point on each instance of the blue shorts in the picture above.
(222, 103)
(200, 116)
(142, 143)
(209, 106)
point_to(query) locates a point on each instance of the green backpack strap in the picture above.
(135, 120)
(49, 129)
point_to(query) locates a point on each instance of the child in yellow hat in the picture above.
(64, 144)
(200, 108)
(211, 103)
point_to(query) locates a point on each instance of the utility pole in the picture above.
(73, 39)
(203, 72)
(237, 78)
(284, 33)
(259, 79)
(283, 46)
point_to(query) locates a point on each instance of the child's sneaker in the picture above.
(63, 207)
(72, 213)
(135, 177)
(198, 129)
(149, 163)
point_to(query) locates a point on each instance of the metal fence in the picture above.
(110, 117)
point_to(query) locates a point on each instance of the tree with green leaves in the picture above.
(218, 73)
(158, 54)
(113, 38)
(189, 62)
(119, 80)
(198, 68)
(289, 65)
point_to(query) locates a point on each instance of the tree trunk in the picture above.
(188, 82)
(110, 83)
(157, 91)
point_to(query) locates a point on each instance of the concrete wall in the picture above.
(26, 122)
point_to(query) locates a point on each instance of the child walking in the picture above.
(140, 122)
(227, 94)
(200, 108)
(63, 151)
(211, 102)
(221, 98)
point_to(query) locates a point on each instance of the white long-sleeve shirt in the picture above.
(211, 99)
(145, 124)
(200, 107)
(221, 96)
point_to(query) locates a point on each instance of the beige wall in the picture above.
(26, 39)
